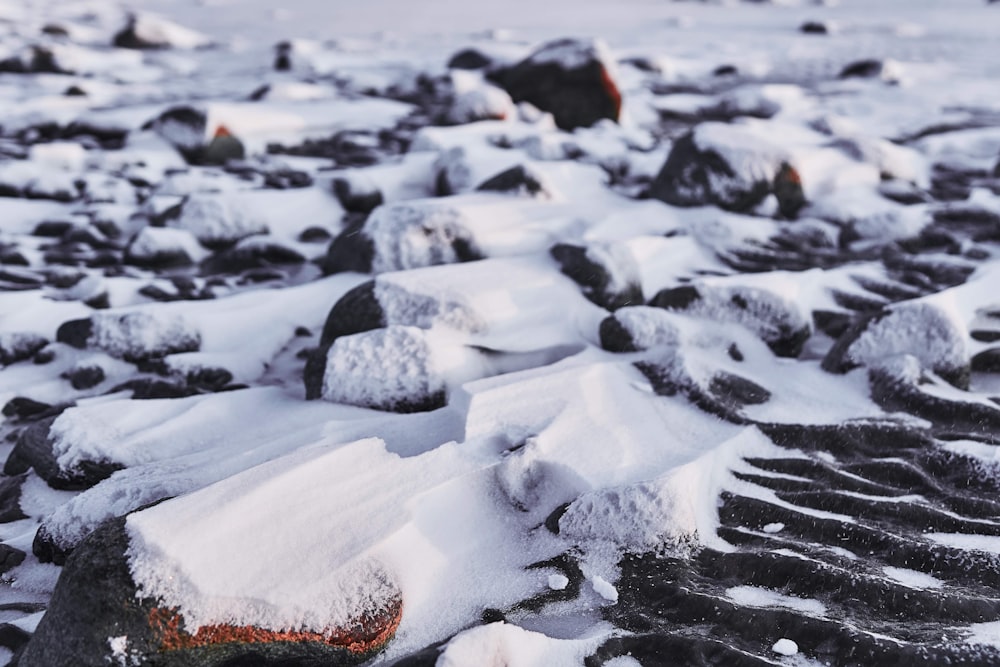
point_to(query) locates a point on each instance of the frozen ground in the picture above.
(319, 346)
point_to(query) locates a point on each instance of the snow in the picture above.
(762, 597)
(285, 514)
(785, 646)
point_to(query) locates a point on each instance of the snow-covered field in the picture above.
(460, 334)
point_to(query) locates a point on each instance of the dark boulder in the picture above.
(34, 450)
(15, 347)
(572, 79)
(725, 166)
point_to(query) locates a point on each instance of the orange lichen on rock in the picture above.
(367, 633)
(611, 88)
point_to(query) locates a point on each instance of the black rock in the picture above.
(608, 278)
(148, 389)
(85, 377)
(863, 69)
(615, 337)
(987, 361)
(568, 78)
(34, 450)
(10, 498)
(211, 379)
(315, 235)
(517, 180)
(52, 229)
(898, 386)
(357, 196)
(469, 59)
(283, 56)
(725, 70)
(351, 250)
(21, 407)
(11, 636)
(814, 28)
(357, 311)
(75, 333)
(909, 328)
(251, 254)
(694, 176)
(776, 322)
(15, 347)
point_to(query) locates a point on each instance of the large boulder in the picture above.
(573, 79)
(728, 166)
(98, 617)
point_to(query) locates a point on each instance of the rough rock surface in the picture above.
(574, 80)
(121, 625)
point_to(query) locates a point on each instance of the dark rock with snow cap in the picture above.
(396, 368)
(15, 347)
(146, 32)
(572, 79)
(899, 383)
(520, 180)
(161, 247)
(777, 321)
(403, 235)
(186, 128)
(730, 167)
(10, 498)
(357, 194)
(34, 450)
(469, 58)
(608, 274)
(920, 329)
(120, 622)
(132, 336)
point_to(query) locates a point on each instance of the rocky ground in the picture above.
(676, 345)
